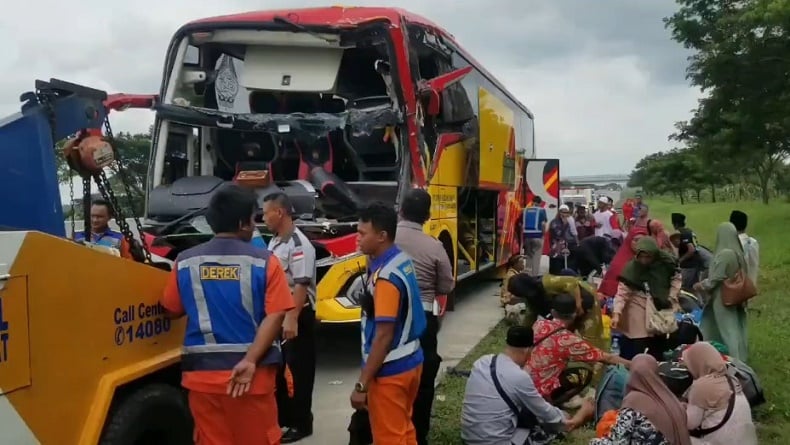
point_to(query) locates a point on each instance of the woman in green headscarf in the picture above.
(655, 270)
(724, 324)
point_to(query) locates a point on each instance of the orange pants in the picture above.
(223, 420)
(390, 403)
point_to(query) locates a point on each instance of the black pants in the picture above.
(297, 411)
(421, 417)
(655, 346)
(572, 382)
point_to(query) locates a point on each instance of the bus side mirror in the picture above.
(433, 100)
(432, 89)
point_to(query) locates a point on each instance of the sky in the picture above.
(602, 77)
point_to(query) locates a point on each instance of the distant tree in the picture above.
(740, 62)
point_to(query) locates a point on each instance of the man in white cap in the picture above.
(605, 219)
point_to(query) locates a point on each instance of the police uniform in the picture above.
(227, 287)
(393, 295)
(297, 255)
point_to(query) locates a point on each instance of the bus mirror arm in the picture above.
(432, 89)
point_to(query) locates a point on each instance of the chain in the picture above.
(109, 194)
(86, 198)
(45, 100)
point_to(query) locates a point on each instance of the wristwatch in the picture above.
(360, 387)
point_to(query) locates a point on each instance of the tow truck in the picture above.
(87, 355)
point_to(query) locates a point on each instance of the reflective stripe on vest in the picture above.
(222, 356)
(535, 229)
(109, 239)
(405, 347)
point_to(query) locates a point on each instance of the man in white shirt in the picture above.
(605, 219)
(751, 248)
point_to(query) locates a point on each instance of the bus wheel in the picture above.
(152, 414)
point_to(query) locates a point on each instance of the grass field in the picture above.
(769, 320)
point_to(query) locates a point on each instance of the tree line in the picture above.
(737, 143)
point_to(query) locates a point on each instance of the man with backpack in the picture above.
(688, 257)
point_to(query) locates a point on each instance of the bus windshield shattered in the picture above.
(312, 114)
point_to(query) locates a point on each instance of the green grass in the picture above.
(769, 320)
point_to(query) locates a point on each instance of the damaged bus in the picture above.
(336, 107)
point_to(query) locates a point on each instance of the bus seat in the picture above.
(373, 150)
(321, 155)
(309, 103)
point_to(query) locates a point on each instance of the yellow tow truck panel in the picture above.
(74, 318)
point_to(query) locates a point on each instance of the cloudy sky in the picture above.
(602, 76)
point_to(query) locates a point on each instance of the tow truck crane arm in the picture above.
(29, 187)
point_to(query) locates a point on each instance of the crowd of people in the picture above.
(249, 350)
(249, 347)
(557, 350)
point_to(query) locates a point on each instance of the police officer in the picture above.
(101, 234)
(235, 297)
(392, 322)
(435, 277)
(297, 255)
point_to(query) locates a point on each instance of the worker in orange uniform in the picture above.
(392, 322)
(235, 297)
(100, 232)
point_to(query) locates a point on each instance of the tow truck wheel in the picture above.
(153, 414)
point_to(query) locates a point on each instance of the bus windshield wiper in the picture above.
(300, 28)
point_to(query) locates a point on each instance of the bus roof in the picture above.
(349, 16)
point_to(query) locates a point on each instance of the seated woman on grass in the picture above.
(717, 410)
(650, 413)
(556, 346)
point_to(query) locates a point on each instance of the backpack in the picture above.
(676, 377)
(611, 390)
(746, 376)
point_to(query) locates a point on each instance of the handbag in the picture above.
(737, 290)
(658, 321)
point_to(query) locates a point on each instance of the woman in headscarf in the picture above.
(650, 413)
(654, 271)
(538, 293)
(724, 324)
(709, 398)
(656, 229)
(624, 254)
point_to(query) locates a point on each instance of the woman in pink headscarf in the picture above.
(717, 410)
(656, 229)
